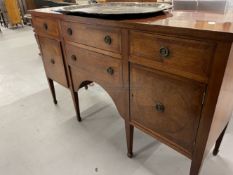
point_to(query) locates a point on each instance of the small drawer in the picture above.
(174, 55)
(46, 26)
(105, 38)
(53, 60)
(166, 105)
(94, 66)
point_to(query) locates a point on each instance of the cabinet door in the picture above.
(166, 106)
(53, 60)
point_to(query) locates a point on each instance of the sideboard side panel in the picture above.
(223, 111)
(218, 69)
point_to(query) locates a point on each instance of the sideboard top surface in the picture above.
(217, 21)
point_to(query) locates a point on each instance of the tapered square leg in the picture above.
(219, 141)
(52, 89)
(76, 104)
(195, 167)
(199, 154)
(129, 137)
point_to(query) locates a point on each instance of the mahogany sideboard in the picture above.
(171, 75)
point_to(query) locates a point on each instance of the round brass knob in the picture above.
(45, 26)
(52, 61)
(69, 31)
(108, 39)
(159, 107)
(73, 57)
(164, 51)
(110, 71)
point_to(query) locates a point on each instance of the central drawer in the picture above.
(93, 66)
(105, 38)
(167, 106)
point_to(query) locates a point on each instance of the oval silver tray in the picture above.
(114, 9)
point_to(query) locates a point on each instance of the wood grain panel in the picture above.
(185, 57)
(181, 99)
(46, 26)
(53, 60)
(96, 65)
(92, 36)
(224, 106)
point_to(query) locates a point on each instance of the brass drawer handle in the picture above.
(45, 26)
(52, 61)
(73, 57)
(164, 52)
(69, 31)
(159, 107)
(108, 39)
(110, 71)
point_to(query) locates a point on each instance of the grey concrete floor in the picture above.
(39, 138)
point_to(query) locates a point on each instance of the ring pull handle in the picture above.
(69, 31)
(52, 61)
(110, 71)
(159, 107)
(108, 39)
(45, 26)
(164, 52)
(73, 57)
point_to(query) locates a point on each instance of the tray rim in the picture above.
(83, 13)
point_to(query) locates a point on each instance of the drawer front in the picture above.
(96, 67)
(53, 60)
(168, 106)
(173, 55)
(105, 38)
(46, 26)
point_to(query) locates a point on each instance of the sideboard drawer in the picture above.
(105, 38)
(168, 106)
(94, 66)
(173, 55)
(46, 26)
(53, 60)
